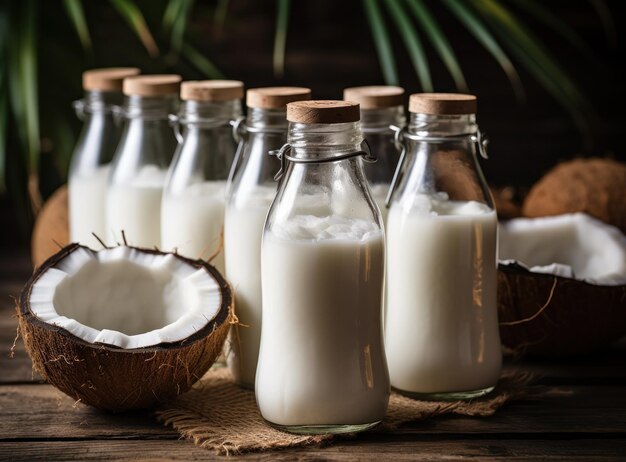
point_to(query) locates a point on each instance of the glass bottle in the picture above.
(250, 194)
(192, 212)
(141, 160)
(441, 331)
(322, 363)
(382, 115)
(93, 153)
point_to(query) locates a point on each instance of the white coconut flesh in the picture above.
(573, 245)
(125, 297)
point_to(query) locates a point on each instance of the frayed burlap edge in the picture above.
(218, 415)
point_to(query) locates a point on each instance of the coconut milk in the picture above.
(87, 199)
(322, 360)
(192, 221)
(441, 332)
(243, 232)
(135, 208)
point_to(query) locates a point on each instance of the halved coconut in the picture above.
(561, 284)
(123, 328)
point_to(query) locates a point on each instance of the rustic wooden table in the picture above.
(581, 415)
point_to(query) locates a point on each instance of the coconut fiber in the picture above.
(219, 415)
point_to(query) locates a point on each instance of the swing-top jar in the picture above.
(140, 165)
(192, 213)
(382, 115)
(93, 153)
(250, 194)
(322, 363)
(441, 328)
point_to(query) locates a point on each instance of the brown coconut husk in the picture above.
(596, 186)
(551, 316)
(116, 379)
(51, 231)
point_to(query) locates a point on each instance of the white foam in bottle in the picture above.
(135, 208)
(243, 233)
(441, 332)
(322, 360)
(87, 199)
(192, 221)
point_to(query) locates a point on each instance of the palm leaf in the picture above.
(382, 42)
(280, 39)
(412, 43)
(133, 16)
(221, 9)
(603, 11)
(176, 18)
(22, 78)
(542, 14)
(537, 61)
(200, 62)
(476, 27)
(76, 14)
(438, 39)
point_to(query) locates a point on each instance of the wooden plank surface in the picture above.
(579, 414)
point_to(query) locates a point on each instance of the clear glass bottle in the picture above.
(192, 212)
(382, 115)
(322, 362)
(93, 153)
(133, 209)
(441, 330)
(250, 194)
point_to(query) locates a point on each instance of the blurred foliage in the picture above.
(43, 43)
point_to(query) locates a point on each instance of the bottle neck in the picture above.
(324, 140)
(382, 119)
(97, 103)
(429, 125)
(207, 114)
(149, 108)
(266, 120)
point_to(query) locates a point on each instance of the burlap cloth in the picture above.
(217, 414)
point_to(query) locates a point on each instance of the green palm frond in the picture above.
(280, 39)
(200, 62)
(76, 14)
(175, 19)
(133, 16)
(382, 41)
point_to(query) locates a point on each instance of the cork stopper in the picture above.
(152, 85)
(442, 103)
(375, 96)
(276, 97)
(211, 90)
(108, 78)
(323, 112)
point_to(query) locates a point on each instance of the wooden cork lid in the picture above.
(442, 103)
(108, 78)
(276, 97)
(375, 96)
(323, 112)
(152, 85)
(211, 90)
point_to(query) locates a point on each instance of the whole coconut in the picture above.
(596, 186)
(51, 231)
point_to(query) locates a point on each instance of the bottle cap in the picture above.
(442, 103)
(276, 97)
(375, 96)
(211, 90)
(108, 78)
(152, 85)
(323, 112)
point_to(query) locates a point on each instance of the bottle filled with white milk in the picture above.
(133, 208)
(382, 116)
(441, 330)
(250, 193)
(93, 153)
(322, 365)
(192, 211)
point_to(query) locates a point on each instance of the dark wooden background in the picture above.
(329, 47)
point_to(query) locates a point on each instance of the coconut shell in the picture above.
(116, 379)
(552, 316)
(51, 231)
(594, 186)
